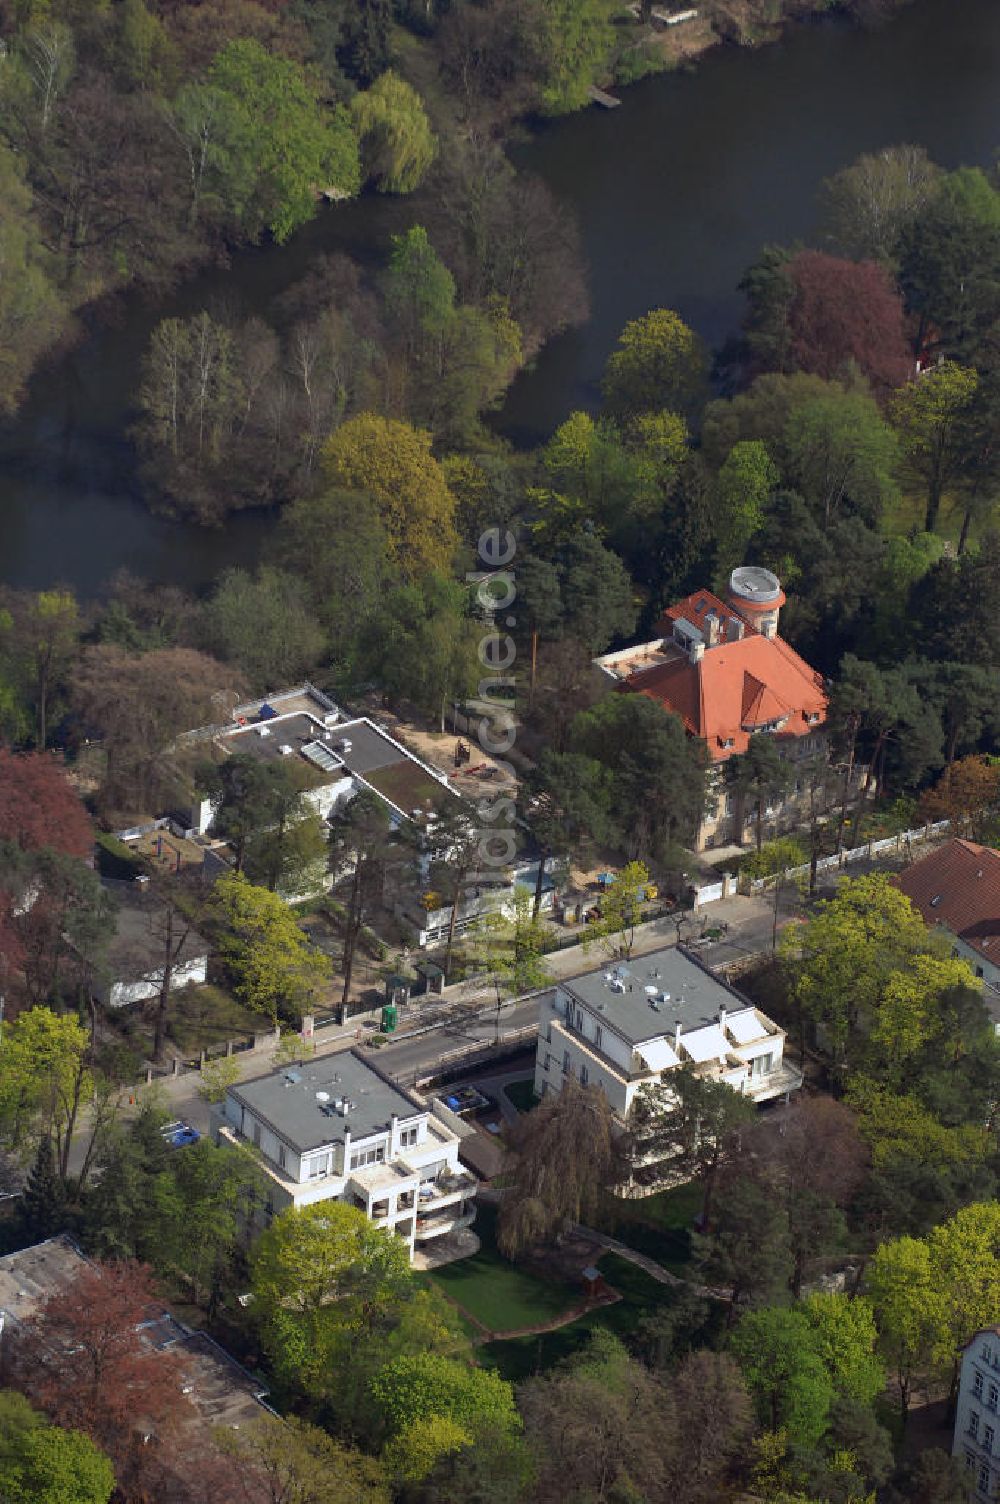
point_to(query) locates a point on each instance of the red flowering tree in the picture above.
(843, 312)
(39, 806)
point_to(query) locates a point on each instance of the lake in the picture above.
(676, 192)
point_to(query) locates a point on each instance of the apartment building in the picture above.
(631, 1023)
(977, 1415)
(337, 1129)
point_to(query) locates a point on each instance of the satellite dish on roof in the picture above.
(322, 1096)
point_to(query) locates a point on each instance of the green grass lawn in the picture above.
(658, 1226)
(521, 1094)
(496, 1293)
(520, 1357)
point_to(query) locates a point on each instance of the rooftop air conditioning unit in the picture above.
(345, 745)
(285, 750)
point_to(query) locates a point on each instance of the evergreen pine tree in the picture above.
(42, 1209)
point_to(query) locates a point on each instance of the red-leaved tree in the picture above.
(843, 312)
(39, 806)
(87, 1361)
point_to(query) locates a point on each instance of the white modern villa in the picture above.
(337, 1129)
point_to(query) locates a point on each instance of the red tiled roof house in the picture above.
(957, 888)
(723, 669)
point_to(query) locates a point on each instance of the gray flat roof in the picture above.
(369, 750)
(292, 731)
(695, 994)
(286, 1101)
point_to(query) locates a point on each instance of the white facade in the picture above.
(184, 974)
(977, 1415)
(607, 1030)
(405, 1176)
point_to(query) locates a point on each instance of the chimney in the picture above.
(696, 652)
(713, 630)
(722, 1016)
(677, 1037)
(735, 629)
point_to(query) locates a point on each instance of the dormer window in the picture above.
(936, 900)
(727, 741)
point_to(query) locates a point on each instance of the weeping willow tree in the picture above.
(567, 1156)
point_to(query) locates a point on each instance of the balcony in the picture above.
(436, 1227)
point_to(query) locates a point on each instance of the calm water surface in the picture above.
(675, 192)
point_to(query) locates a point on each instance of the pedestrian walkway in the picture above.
(650, 1266)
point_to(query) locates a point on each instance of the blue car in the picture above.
(178, 1134)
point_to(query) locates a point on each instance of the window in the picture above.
(974, 1424)
(988, 1437)
(762, 1064)
(977, 1386)
(565, 1062)
(984, 1477)
(584, 1074)
(549, 1060)
(256, 1134)
(979, 971)
(994, 1396)
(282, 1156)
(375, 1155)
(408, 1137)
(970, 1459)
(598, 1035)
(318, 1166)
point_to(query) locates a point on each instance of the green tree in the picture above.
(44, 1464)
(263, 623)
(567, 804)
(574, 42)
(420, 1385)
(32, 313)
(659, 363)
(745, 481)
(950, 263)
(760, 775)
(274, 968)
(322, 1276)
(621, 910)
(842, 455)
(424, 645)
(657, 787)
(927, 414)
(214, 135)
(842, 958)
(297, 1463)
(397, 143)
(335, 543)
(44, 1078)
(846, 1339)
(692, 1125)
(41, 1209)
(911, 1312)
(507, 944)
(787, 1379)
(365, 847)
(291, 145)
(393, 463)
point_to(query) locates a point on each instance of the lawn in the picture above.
(521, 1094)
(498, 1294)
(659, 1226)
(520, 1357)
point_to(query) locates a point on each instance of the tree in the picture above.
(40, 807)
(845, 315)
(43, 1464)
(573, 40)
(743, 485)
(507, 943)
(692, 1124)
(657, 786)
(278, 838)
(41, 1210)
(621, 910)
(786, 1377)
(213, 133)
(452, 849)
(950, 264)
(139, 704)
(566, 1155)
(967, 794)
(842, 958)
(32, 313)
(413, 1387)
(43, 1079)
(600, 1427)
(397, 143)
(910, 1311)
(761, 775)
(323, 1275)
(263, 623)
(393, 463)
(56, 921)
(84, 1359)
(846, 1339)
(424, 645)
(335, 543)
(292, 146)
(842, 456)
(707, 1382)
(659, 363)
(364, 50)
(566, 807)
(927, 414)
(866, 207)
(48, 635)
(297, 1463)
(274, 967)
(364, 842)
(933, 1478)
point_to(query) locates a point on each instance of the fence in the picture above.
(897, 844)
